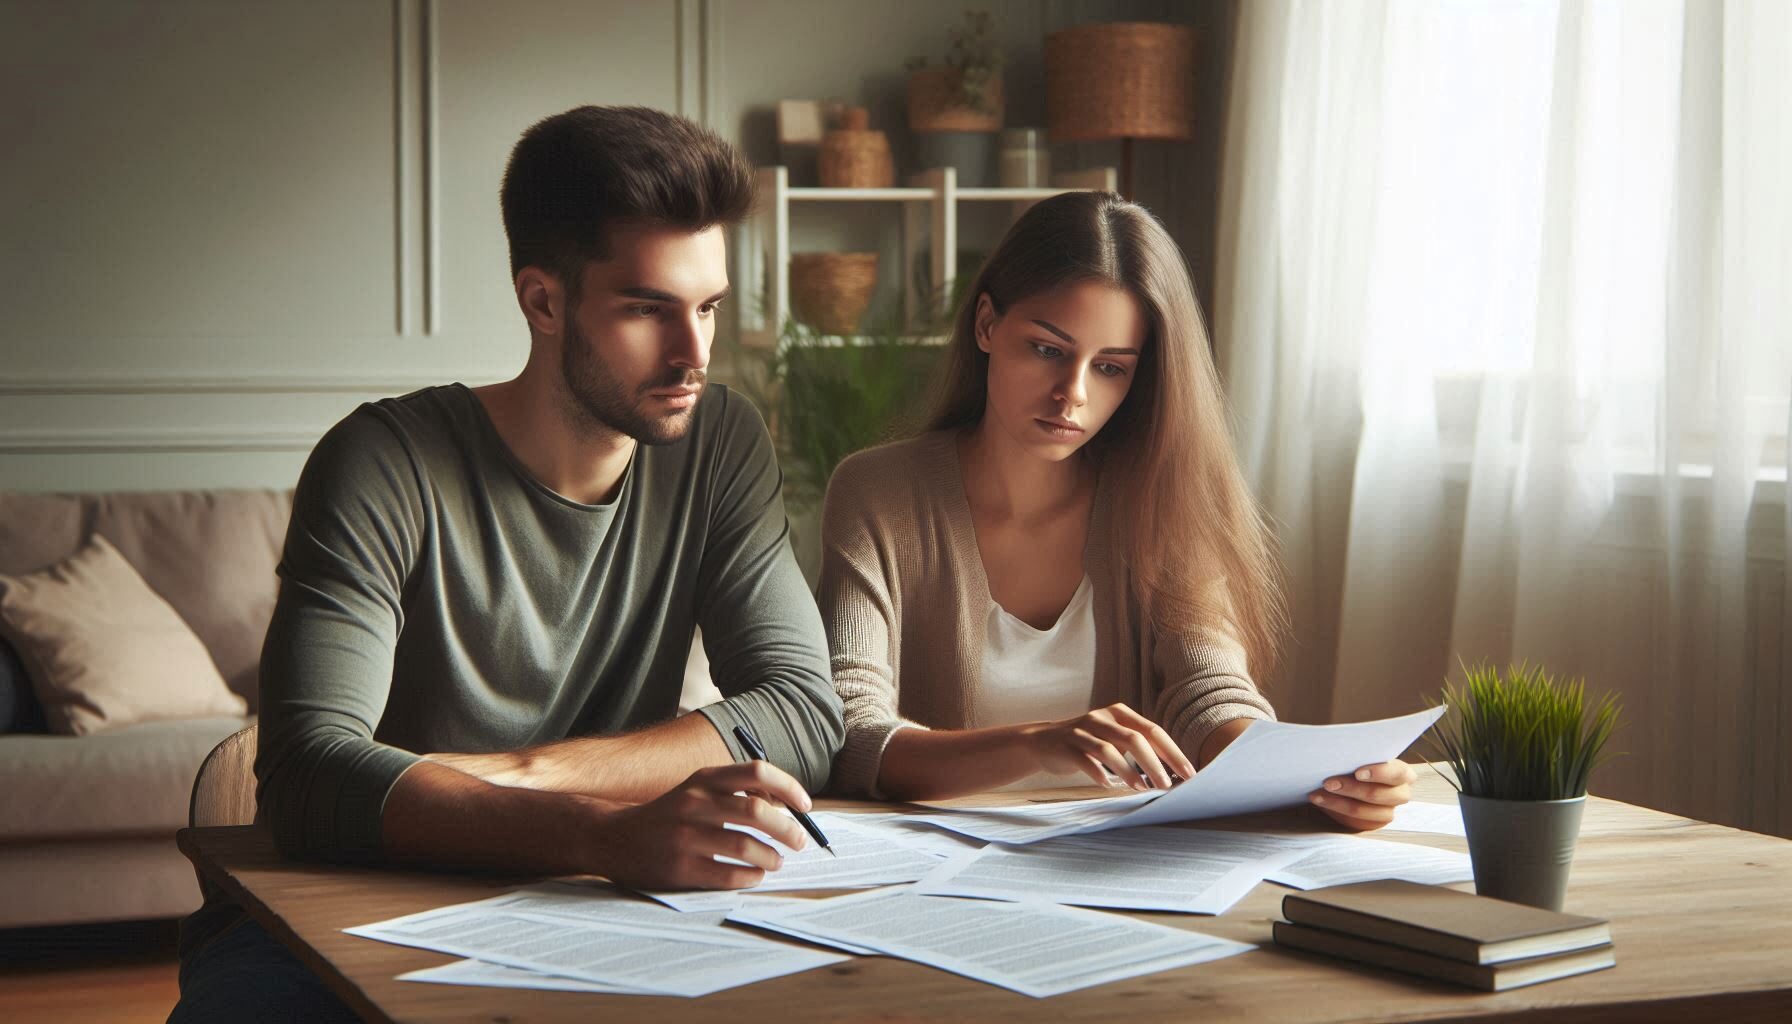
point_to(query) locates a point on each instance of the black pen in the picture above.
(757, 753)
(1150, 783)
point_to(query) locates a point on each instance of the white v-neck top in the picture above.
(1035, 675)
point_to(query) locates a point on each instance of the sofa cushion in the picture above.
(83, 880)
(104, 650)
(131, 781)
(210, 554)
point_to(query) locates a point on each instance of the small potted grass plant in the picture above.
(1521, 746)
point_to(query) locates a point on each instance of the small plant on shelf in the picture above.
(966, 93)
(825, 397)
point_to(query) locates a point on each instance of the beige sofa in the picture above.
(87, 823)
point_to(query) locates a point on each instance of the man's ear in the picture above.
(542, 298)
(984, 324)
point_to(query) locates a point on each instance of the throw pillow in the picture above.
(19, 709)
(104, 650)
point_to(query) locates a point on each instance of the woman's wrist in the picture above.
(1220, 737)
(1027, 739)
(933, 764)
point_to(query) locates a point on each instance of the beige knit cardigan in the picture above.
(906, 602)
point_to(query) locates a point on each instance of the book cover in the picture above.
(1444, 922)
(1486, 977)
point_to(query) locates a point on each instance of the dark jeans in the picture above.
(244, 974)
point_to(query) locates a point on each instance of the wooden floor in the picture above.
(117, 973)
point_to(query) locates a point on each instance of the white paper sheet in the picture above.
(478, 972)
(1190, 871)
(643, 947)
(1030, 823)
(1037, 949)
(1270, 765)
(698, 901)
(1344, 859)
(719, 904)
(1437, 819)
(864, 856)
(596, 902)
(751, 905)
(918, 836)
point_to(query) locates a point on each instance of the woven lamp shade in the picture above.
(1126, 80)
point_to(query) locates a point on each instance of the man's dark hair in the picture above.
(574, 176)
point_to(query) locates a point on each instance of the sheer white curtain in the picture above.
(1504, 306)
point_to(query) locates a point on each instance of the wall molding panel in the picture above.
(416, 120)
(432, 159)
(298, 207)
(168, 442)
(403, 261)
(251, 384)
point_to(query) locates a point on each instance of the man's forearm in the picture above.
(693, 837)
(632, 768)
(442, 818)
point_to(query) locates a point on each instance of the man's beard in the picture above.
(606, 402)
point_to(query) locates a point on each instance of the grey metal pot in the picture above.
(1522, 849)
(973, 154)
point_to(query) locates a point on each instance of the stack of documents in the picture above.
(1184, 870)
(993, 892)
(1036, 949)
(602, 939)
(1192, 871)
(581, 938)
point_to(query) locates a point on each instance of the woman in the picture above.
(1071, 532)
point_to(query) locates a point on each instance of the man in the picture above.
(488, 596)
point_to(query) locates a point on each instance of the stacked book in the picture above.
(1440, 933)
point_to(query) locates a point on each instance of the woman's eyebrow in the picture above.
(1048, 325)
(1055, 329)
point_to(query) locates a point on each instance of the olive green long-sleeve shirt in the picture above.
(435, 597)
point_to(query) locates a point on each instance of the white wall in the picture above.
(226, 223)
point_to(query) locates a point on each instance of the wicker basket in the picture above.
(853, 156)
(830, 291)
(933, 103)
(1123, 80)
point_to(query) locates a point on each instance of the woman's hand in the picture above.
(1105, 738)
(1366, 800)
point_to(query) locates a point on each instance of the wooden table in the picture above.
(1701, 917)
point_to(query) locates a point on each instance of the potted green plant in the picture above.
(956, 109)
(824, 400)
(1521, 746)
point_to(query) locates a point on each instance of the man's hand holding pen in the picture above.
(672, 842)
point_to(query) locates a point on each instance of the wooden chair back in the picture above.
(224, 789)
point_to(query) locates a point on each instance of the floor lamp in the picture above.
(1125, 80)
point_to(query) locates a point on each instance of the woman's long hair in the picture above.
(1198, 545)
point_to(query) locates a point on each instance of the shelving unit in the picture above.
(929, 218)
